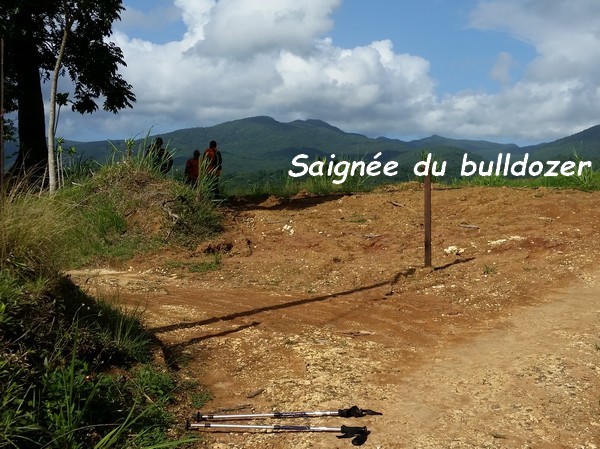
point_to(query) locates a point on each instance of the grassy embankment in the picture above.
(78, 371)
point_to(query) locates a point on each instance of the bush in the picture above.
(66, 377)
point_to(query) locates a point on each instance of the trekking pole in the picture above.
(358, 434)
(352, 412)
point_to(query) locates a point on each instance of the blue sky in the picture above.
(520, 71)
(439, 31)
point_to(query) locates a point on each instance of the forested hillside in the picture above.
(256, 146)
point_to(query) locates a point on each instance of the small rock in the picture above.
(454, 250)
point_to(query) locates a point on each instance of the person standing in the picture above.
(212, 163)
(192, 169)
(160, 156)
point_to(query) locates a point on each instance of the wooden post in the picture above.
(427, 189)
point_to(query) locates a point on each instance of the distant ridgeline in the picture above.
(260, 146)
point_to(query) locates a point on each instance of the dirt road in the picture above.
(323, 303)
(532, 382)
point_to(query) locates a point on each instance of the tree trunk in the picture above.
(1, 119)
(52, 118)
(32, 158)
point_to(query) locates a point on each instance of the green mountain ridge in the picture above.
(585, 143)
(263, 144)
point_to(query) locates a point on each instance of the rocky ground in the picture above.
(324, 303)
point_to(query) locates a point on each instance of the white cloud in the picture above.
(555, 96)
(566, 35)
(240, 58)
(196, 14)
(238, 28)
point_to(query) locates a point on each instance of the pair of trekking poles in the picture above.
(358, 434)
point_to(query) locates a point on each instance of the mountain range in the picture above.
(264, 145)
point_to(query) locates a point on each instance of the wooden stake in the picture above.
(427, 189)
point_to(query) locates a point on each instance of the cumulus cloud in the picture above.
(239, 28)
(566, 35)
(556, 95)
(240, 58)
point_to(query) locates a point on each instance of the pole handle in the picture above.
(358, 434)
(356, 412)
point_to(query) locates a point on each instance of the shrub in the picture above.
(58, 344)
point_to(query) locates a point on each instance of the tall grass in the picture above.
(56, 342)
(55, 389)
(129, 207)
(558, 182)
(35, 236)
(587, 180)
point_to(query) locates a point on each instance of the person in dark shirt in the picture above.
(160, 156)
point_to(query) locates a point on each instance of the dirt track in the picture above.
(323, 303)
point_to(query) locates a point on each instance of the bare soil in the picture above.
(324, 303)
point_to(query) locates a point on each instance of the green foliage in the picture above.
(95, 77)
(487, 270)
(9, 132)
(282, 185)
(261, 184)
(199, 400)
(32, 34)
(209, 265)
(194, 214)
(153, 382)
(588, 180)
(58, 344)
(116, 330)
(17, 418)
(108, 222)
(128, 207)
(57, 395)
(34, 233)
(65, 393)
(103, 226)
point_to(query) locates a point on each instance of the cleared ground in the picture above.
(323, 303)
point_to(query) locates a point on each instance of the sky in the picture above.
(509, 71)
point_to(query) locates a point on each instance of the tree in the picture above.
(52, 120)
(35, 32)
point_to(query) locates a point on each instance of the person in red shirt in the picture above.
(212, 161)
(192, 169)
